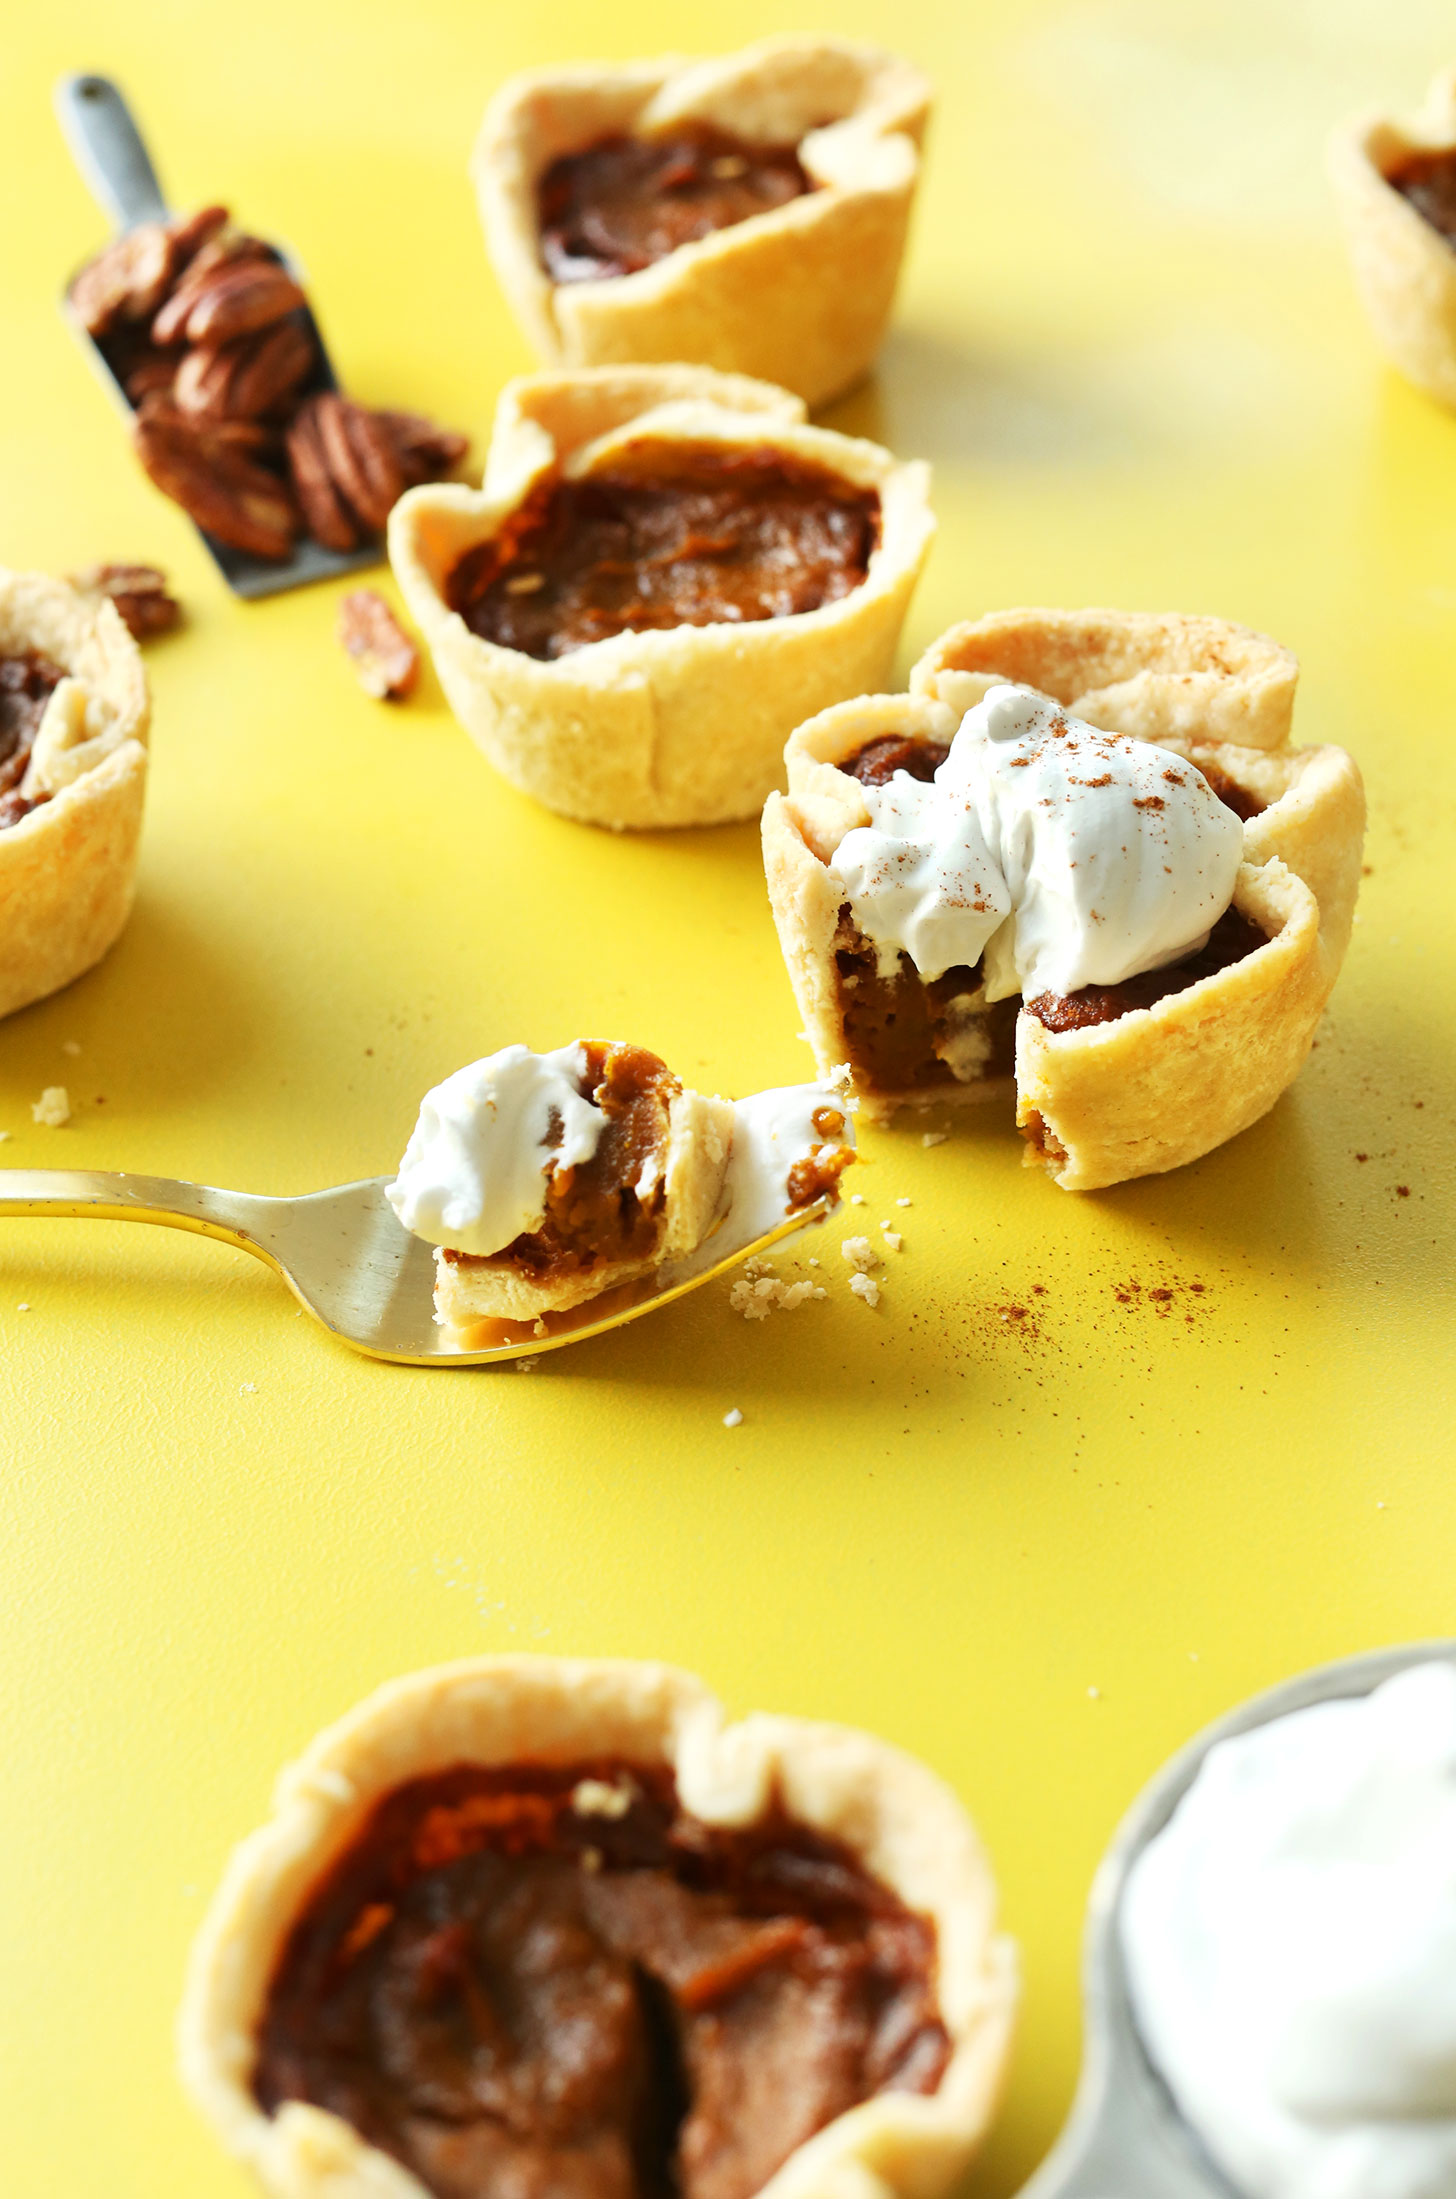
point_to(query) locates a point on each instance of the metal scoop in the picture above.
(108, 150)
(351, 1264)
(1125, 2138)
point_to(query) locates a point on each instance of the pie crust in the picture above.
(699, 1134)
(1158, 1086)
(904, 1826)
(684, 725)
(68, 868)
(799, 295)
(1405, 270)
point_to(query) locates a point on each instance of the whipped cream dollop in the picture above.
(1290, 1939)
(475, 1170)
(1063, 855)
(771, 1131)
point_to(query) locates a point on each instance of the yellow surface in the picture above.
(1038, 1553)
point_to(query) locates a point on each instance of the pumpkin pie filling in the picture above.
(625, 202)
(1428, 181)
(552, 1980)
(904, 1034)
(610, 1207)
(27, 683)
(704, 537)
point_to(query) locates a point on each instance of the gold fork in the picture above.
(351, 1264)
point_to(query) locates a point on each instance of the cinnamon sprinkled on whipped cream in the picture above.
(1062, 855)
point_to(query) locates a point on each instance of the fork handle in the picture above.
(107, 147)
(80, 1193)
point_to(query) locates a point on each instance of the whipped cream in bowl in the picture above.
(1290, 1939)
(1271, 1954)
(1052, 854)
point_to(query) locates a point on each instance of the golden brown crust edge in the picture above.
(1405, 271)
(799, 296)
(899, 1819)
(700, 1133)
(68, 869)
(683, 726)
(1172, 1083)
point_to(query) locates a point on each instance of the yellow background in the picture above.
(1128, 345)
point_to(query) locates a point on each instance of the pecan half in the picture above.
(361, 456)
(127, 281)
(241, 297)
(223, 250)
(325, 514)
(386, 661)
(244, 379)
(212, 472)
(139, 592)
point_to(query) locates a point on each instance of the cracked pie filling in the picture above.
(556, 1979)
(981, 880)
(553, 1929)
(545, 1180)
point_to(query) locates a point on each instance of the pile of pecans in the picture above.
(210, 337)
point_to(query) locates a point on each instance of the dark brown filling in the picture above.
(27, 683)
(596, 1212)
(877, 762)
(1232, 937)
(520, 1996)
(711, 536)
(1428, 180)
(896, 1029)
(627, 201)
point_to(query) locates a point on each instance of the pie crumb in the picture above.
(4, 1137)
(600, 1798)
(934, 1137)
(860, 1253)
(53, 1108)
(865, 1286)
(733, 1419)
(70, 1046)
(755, 1295)
(526, 1366)
(902, 1202)
(247, 1389)
(892, 1237)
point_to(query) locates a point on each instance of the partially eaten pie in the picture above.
(1081, 851)
(664, 571)
(558, 1930)
(1395, 183)
(545, 1180)
(747, 212)
(74, 712)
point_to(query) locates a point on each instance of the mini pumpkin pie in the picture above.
(74, 713)
(1081, 852)
(1396, 188)
(664, 571)
(522, 1925)
(544, 1180)
(748, 212)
